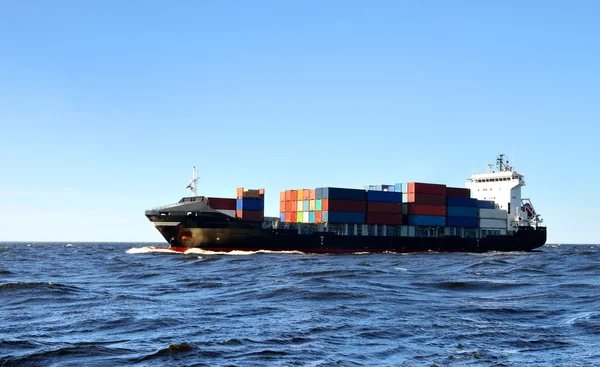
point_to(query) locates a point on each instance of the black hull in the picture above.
(215, 232)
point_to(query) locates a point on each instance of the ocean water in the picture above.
(109, 304)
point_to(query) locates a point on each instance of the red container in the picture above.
(458, 192)
(384, 218)
(294, 195)
(306, 194)
(420, 209)
(251, 215)
(426, 188)
(250, 193)
(344, 205)
(282, 206)
(319, 216)
(222, 203)
(426, 199)
(376, 207)
(313, 194)
(293, 216)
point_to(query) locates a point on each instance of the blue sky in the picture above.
(105, 106)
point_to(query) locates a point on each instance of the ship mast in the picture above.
(193, 182)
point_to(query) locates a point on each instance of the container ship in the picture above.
(487, 215)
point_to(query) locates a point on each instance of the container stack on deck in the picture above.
(426, 204)
(490, 217)
(461, 208)
(250, 204)
(384, 206)
(223, 205)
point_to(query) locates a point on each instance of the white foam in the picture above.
(401, 269)
(147, 249)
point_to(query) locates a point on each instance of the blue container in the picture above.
(398, 187)
(462, 211)
(427, 220)
(454, 201)
(336, 193)
(384, 196)
(250, 204)
(319, 193)
(486, 204)
(282, 217)
(312, 217)
(343, 217)
(465, 222)
(306, 205)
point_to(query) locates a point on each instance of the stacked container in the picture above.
(462, 210)
(224, 205)
(490, 217)
(426, 204)
(384, 207)
(340, 205)
(250, 204)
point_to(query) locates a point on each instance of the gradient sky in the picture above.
(105, 106)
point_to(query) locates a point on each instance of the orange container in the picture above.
(282, 206)
(306, 194)
(313, 194)
(288, 195)
(319, 216)
(300, 195)
(282, 196)
(294, 195)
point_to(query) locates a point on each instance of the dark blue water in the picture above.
(122, 304)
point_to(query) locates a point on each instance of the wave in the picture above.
(199, 251)
(54, 287)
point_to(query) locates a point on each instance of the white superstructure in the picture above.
(503, 186)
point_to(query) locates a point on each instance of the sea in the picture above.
(137, 304)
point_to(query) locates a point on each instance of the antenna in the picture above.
(193, 185)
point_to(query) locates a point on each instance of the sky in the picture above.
(105, 106)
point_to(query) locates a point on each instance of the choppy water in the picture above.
(124, 304)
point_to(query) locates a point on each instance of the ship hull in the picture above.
(225, 235)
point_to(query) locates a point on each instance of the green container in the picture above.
(318, 205)
(299, 217)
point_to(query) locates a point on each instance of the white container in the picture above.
(300, 206)
(230, 213)
(305, 217)
(493, 214)
(492, 223)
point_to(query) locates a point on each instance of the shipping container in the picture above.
(318, 204)
(305, 216)
(282, 196)
(426, 188)
(294, 195)
(250, 204)
(462, 211)
(384, 196)
(344, 205)
(420, 209)
(300, 194)
(486, 204)
(299, 205)
(336, 193)
(318, 193)
(306, 194)
(312, 205)
(493, 214)
(222, 203)
(288, 195)
(319, 217)
(458, 192)
(306, 205)
(282, 206)
(312, 218)
(343, 217)
(290, 206)
(426, 199)
(456, 201)
(465, 222)
(293, 217)
(282, 216)
(427, 220)
(250, 193)
(384, 218)
(299, 216)
(250, 215)
(378, 207)
(493, 223)
(398, 187)
(312, 194)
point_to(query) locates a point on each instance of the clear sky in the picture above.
(105, 106)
